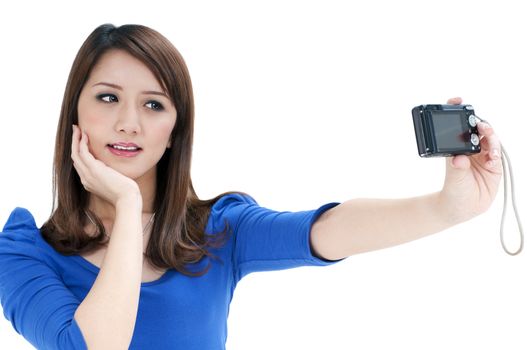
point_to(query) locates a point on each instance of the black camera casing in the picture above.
(445, 130)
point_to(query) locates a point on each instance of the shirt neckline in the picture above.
(95, 269)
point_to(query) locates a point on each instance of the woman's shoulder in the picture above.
(228, 208)
(231, 199)
(21, 242)
(20, 226)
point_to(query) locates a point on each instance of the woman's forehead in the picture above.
(121, 68)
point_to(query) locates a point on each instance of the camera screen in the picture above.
(450, 130)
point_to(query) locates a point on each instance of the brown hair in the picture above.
(178, 233)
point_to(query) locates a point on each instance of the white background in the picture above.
(299, 104)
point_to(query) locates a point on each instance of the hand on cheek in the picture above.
(95, 176)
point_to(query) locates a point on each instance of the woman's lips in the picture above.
(124, 153)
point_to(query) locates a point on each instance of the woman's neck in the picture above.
(106, 211)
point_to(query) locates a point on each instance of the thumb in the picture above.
(456, 168)
(461, 162)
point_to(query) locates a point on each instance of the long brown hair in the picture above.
(178, 232)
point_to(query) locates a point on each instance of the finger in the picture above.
(484, 129)
(74, 137)
(492, 143)
(460, 162)
(494, 147)
(84, 151)
(493, 162)
(454, 101)
(77, 161)
(78, 164)
(490, 155)
(93, 165)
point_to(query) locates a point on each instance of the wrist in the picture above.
(130, 201)
(451, 210)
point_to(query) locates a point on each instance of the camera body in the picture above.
(445, 130)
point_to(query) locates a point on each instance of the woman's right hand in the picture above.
(97, 177)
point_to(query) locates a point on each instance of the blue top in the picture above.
(40, 289)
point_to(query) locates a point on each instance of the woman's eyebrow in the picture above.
(109, 84)
(149, 92)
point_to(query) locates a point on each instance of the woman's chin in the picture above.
(138, 175)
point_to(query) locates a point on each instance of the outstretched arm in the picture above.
(361, 225)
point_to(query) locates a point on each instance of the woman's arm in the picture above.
(108, 314)
(361, 225)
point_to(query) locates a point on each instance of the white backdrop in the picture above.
(299, 104)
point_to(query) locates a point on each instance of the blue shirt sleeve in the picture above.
(264, 239)
(33, 297)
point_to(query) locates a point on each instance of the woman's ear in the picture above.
(169, 144)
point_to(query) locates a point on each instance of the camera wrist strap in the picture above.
(508, 173)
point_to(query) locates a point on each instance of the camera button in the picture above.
(472, 120)
(474, 138)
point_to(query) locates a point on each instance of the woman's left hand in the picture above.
(471, 182)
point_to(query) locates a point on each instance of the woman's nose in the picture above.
(128, 120)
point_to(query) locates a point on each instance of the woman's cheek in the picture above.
(166, 131)
(154, 132)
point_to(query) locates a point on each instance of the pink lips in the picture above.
(124, 153)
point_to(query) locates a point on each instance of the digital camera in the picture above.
(445, 130)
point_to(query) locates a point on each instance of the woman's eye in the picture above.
(154, 105)
(107, 98)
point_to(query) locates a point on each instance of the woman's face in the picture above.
(122, 102)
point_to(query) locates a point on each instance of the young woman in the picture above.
(132, 258)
